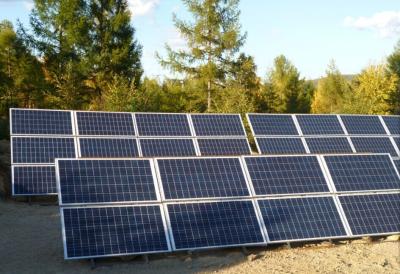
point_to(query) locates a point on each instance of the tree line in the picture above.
(83, 54)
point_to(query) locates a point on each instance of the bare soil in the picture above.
(30, 242)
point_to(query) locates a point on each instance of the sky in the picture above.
(311, 33)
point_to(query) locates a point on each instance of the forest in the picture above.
(84, 55)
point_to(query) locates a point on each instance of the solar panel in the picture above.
(286, 175)
(393, 124)
(264, 124)
(41, 149)
(281, 146)
(224, 146)
(105, 123)
(41, 122)
(363, 125)
(301, 218)
(113, 231)
(202, 178)
(320, 124)
(218, 125)
(374, 145)
(157, 124)
(397, 141)
(167, 147)
(397, 164)
(105, 181)
(362, 172)
(108, 147)
(34, 180)
(372, 214)
(214, 224)
(329, 145)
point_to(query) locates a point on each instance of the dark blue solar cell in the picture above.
(107, 147)
(362, 172)
(167, 147)
(397, 164)
(105, 181)
(105, 123)
(374, 145)
(281, 146)
(301, 218)
(202, 178)
(363, 125)
(106, 231)
(223, 147)
(34, 180)
(286, 175)
(372, 214)
(218, 125)
(397, 141)
(41, 150)
(319, 124)
(42, 122)
(264, 124)
(158, 124)
(214, 224)
(329, 145)
(393, 124)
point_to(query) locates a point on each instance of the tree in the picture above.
(331, 92)
(113, 51)
(213, 40)
(372, 89)
(394, 68)
(285, 91)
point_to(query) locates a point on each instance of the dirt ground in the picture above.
(30, 242)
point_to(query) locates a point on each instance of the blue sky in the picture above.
(310, 33)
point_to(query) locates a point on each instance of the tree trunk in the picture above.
(209, 96)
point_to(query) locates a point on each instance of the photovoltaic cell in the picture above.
(111, 231)
(374, 145)
(218, 125)
(167, 147)
(393, 124)
(281, 146)
(41, 150)
(105, 181)
(319, 124)
(264, 124)
(41, 122)
(363, 125)
(397, 141)
(214, 224)
(286, 175)
(107, 147)
(362, 172)
(105, 123)
(301, 218)
(223, 147)
(157, 124)
(329, 145)
(34, 180)
(372, 214)
(397, 164)
(202, 178)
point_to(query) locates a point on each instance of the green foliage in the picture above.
(213, 40)
(284, 90)
(331, 92)
(394, 68)
(372, 90)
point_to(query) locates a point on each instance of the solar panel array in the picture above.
(322, 134)
(40, 136)
(112, 207)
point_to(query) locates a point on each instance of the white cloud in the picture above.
(142, 7)
(29, 5)
(386, 24)
(175, 39)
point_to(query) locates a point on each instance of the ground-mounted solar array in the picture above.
(40, 136)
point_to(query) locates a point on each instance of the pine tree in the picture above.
(213, 40)
(394, 68)
(113, 51)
